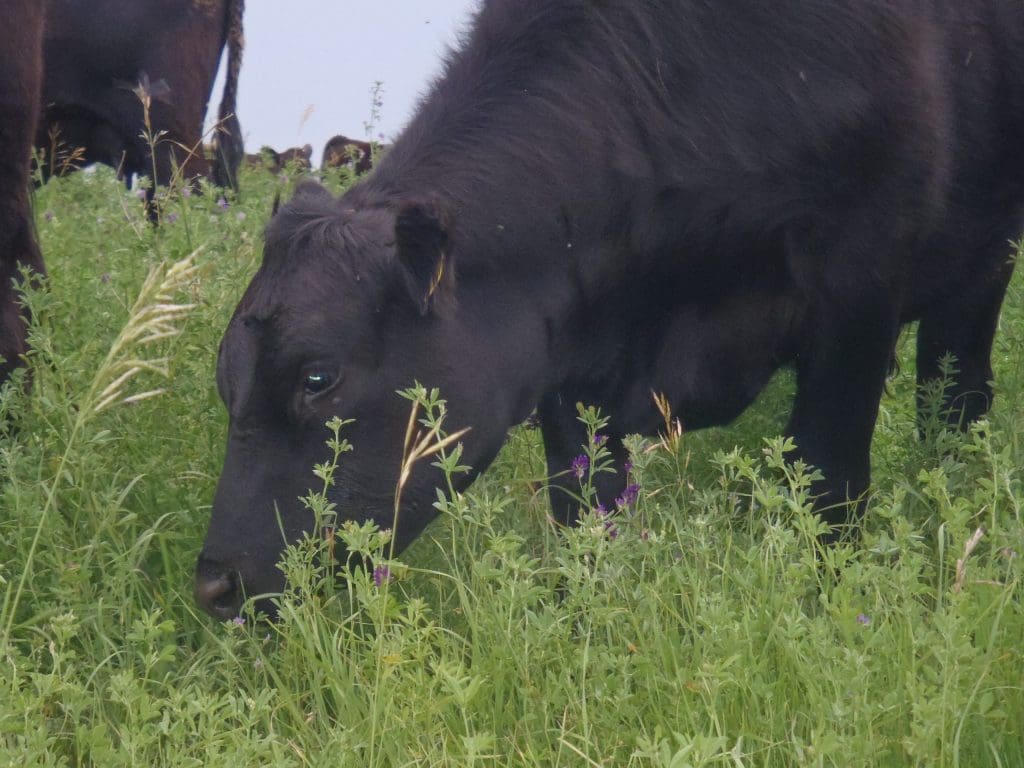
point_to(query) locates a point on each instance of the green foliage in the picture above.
(703, 626)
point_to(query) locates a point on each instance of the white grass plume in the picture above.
(154, 316)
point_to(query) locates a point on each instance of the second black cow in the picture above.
(104, 57)
(598, 200)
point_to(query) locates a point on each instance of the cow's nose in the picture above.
(217, 589)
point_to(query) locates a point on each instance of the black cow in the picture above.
(101, 56)
(20, 77)
(598, 200)
(275, 162)
(341, 151)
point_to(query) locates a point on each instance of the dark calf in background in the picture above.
(341, 151)
(301, 156)
(20, 78)
(96, 53)
(274, 161)
(601, 200)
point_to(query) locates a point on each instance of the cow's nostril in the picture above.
(218, 594)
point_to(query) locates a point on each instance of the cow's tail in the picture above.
(227, 140)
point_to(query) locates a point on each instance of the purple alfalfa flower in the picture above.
(141, 193)
(580, 465)
(222, 204)
(238, 621)
(600, 440)
(627, 466)
(381, 575)
(606, 517)
(863, 619)
(172, 217)
(628, 496)
(240, 215)
(186, 191)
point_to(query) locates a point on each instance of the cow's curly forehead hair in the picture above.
(315, 230)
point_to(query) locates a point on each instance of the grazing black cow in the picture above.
(275, 162)
(300, 156)
(20, 77)
(598, 200)
(341, 151)
(99, 54)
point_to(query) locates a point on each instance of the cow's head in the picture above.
(349, 305)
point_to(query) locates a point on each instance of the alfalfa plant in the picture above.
(310, 564)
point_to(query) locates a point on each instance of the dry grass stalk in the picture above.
(961, 563)
(417, 446)
(669, 439)
(154, 316)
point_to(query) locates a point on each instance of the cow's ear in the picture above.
(422, 241)
(302, 189)
(312, 189)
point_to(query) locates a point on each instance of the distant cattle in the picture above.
(103, 58)
(20, 78)
(341, 151)
(274, 161)
(598, 201)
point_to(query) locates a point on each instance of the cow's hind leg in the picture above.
(962, 327)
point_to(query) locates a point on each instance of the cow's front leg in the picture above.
(840, 378)
(565, 438)
(849, 267)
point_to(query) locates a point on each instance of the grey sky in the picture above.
(310, 65)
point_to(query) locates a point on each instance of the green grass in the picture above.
(708, 632)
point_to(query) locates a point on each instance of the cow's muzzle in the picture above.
(218, 591)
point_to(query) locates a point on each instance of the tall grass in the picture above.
(701, 627)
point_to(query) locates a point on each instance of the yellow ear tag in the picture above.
(437, 277)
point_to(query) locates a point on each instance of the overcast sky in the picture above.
(310, 65)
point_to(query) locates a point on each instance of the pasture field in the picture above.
(704, 628)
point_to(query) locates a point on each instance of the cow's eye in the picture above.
(316, 382)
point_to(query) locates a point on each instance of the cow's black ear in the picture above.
(302, 189)
(308, 188)
(422, 240)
